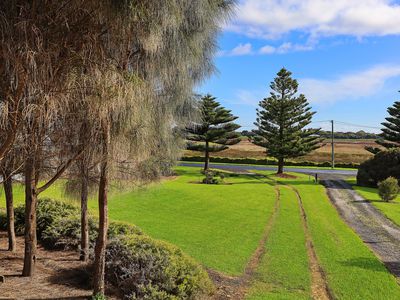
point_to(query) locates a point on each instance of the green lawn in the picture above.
(283, 272)
(352, 270)
(219, 225)
(389, 209)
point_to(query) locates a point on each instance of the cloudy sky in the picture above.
(344, 53)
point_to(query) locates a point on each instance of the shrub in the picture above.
(388, 189)
(143, 268)
(210, 177)
(383, 165)
(3, 220)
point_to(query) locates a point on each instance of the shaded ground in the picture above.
(60, 275)
(378, 232)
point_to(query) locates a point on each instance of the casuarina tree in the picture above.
(281, 121)
(390, 136)
(215, 132)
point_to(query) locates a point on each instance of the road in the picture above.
(309, 171)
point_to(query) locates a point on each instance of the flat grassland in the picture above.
(222, 227)
(346, 151)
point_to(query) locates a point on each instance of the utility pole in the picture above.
(333, 146)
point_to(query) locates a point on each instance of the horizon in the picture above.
(343, 62)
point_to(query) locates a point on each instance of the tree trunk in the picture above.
(30, 219)
(207, 158)
(8, 190)
(280, 165)
(101, 243)
(84, 220)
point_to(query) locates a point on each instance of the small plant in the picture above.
(210, 177)
(388, 189)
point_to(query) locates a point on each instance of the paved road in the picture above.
(310, 171)
(378, 232)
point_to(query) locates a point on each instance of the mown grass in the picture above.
(283, 272)
(219, 225)
(390, 209)
(352, 270)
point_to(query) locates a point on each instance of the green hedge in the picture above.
(139, 266)
(255, 161)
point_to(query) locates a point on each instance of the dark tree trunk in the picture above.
(8, 190)
(280, 165)
(30, 219)
(207, 158)
(84, 220)
(101, 243)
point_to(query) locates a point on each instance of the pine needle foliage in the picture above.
(216, 131)
(281, 121)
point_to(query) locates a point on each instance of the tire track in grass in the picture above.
(230, 287)
(319, 287)
(283, 272)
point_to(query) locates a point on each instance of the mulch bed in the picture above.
(59, 274)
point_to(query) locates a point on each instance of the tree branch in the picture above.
(60, 172)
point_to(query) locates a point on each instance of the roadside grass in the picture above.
(218, 225)
(283, 272)
(390, 209)
(352, 270)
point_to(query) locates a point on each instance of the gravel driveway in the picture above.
(378, 232)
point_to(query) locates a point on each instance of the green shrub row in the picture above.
(265, 161)
(139, 266)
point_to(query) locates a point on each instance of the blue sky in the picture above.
(344, 53)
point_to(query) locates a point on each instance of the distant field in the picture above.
(346, 151)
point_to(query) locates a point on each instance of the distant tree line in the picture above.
(359, 135)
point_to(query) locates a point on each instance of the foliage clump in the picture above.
(383, 165)
(144, 268)
(388, 189)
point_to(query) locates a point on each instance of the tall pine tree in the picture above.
(281, 120)
(390, 136)
(216, 130)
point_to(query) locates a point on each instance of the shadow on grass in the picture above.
(368, 264)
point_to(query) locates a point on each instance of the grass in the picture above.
(390, 209)
(219, 225)
(352, 270)
(283, 272)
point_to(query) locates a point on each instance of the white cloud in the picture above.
(247, 49)
(350, 86)
(240, 50)
(249, 98)
(360, 18)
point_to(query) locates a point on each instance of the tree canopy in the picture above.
(281, 121)
(215, 132)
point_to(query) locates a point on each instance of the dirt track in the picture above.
(378, 232)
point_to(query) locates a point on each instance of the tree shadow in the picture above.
(372, 264)
(79, 277)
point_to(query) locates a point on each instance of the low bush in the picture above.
(383, 165)
(144, 268)
(141, 267)
(388, 189)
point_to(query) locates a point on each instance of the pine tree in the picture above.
(281, 120)
(216, 130)
(390, 136)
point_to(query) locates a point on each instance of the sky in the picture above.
(344, 53)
